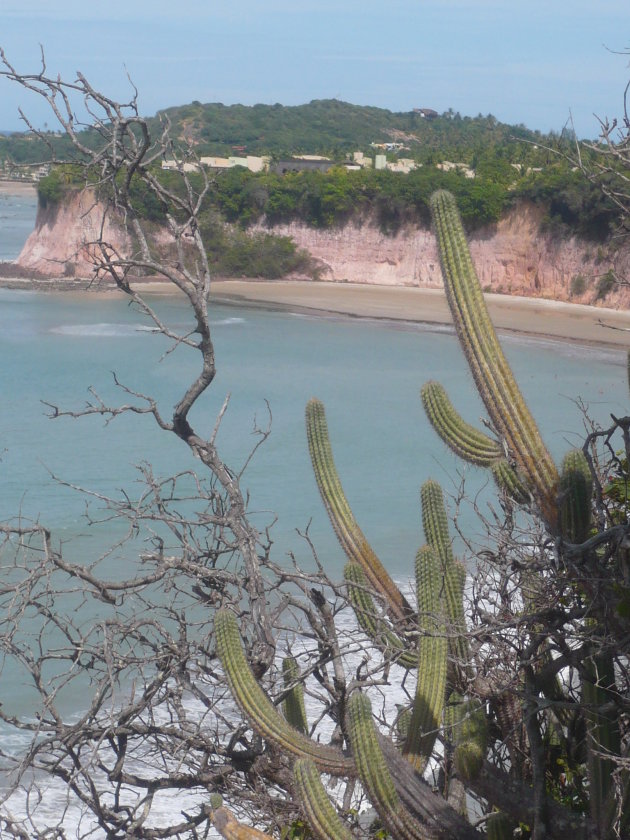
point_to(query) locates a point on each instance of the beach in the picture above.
(531, 316)
(17, 187)
(538, 317)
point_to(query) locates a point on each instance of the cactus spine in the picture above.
(293, 704)
(318, 809)
(491, 372)
(260, 711)
(349, 534)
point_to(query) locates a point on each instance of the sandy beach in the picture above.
(533, 316)
(530, 316)
(17, 187)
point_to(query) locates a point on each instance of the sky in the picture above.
(540, 62)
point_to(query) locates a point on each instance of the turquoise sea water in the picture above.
(17, 218)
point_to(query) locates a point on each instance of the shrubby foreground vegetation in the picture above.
(240, 685)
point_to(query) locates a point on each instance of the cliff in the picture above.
(61, 245)
(512, 257)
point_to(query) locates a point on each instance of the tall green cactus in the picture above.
(349, 534)
(432, 660)
(293, 704)
(319, 811)
(260, 711)
(492, 374)
(469, 443)
(575, 492)
(375, 776)
(603, 739)
(371, 622)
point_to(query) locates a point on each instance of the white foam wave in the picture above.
(227, 322)
(102, 330)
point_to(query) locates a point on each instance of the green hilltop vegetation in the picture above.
(324, 126)
(510, 164)
(334, 128)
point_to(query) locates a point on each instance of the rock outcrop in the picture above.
(511, 257)
(62, 244)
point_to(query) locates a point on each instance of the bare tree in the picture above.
(158, 717)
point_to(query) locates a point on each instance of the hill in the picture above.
(324, 126)
(332, 127)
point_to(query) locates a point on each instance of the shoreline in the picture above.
(536, 317)
(17, 187)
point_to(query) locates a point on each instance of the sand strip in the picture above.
(17, 187)
(552, 319)
(530, 316)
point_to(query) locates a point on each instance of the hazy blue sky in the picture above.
(532, 62)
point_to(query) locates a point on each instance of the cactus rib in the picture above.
(260, 711)
(491, 372)
(319, 811)
(348, 533)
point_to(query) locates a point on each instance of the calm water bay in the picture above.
(54, 346)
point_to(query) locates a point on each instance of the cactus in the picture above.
(508, 479)
(432, 660)
(472, 445)
(319, 811)
(371, 622)
(375, 776)
(293, 704)
(500, 827)
(469, 443)
(492, 375)
(436, 533)
(575, 493)
(603, 738)
(260, 711)
(342, 519)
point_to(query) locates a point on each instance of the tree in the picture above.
(521, 695)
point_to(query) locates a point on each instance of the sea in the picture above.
(63, 349)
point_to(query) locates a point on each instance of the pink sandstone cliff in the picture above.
(512, 256)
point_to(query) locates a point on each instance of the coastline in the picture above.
(17, 187)
(536, 317)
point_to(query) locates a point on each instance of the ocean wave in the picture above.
(102, 330)
(227, 322)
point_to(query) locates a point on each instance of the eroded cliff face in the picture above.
(62, 244)
(512, 257)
